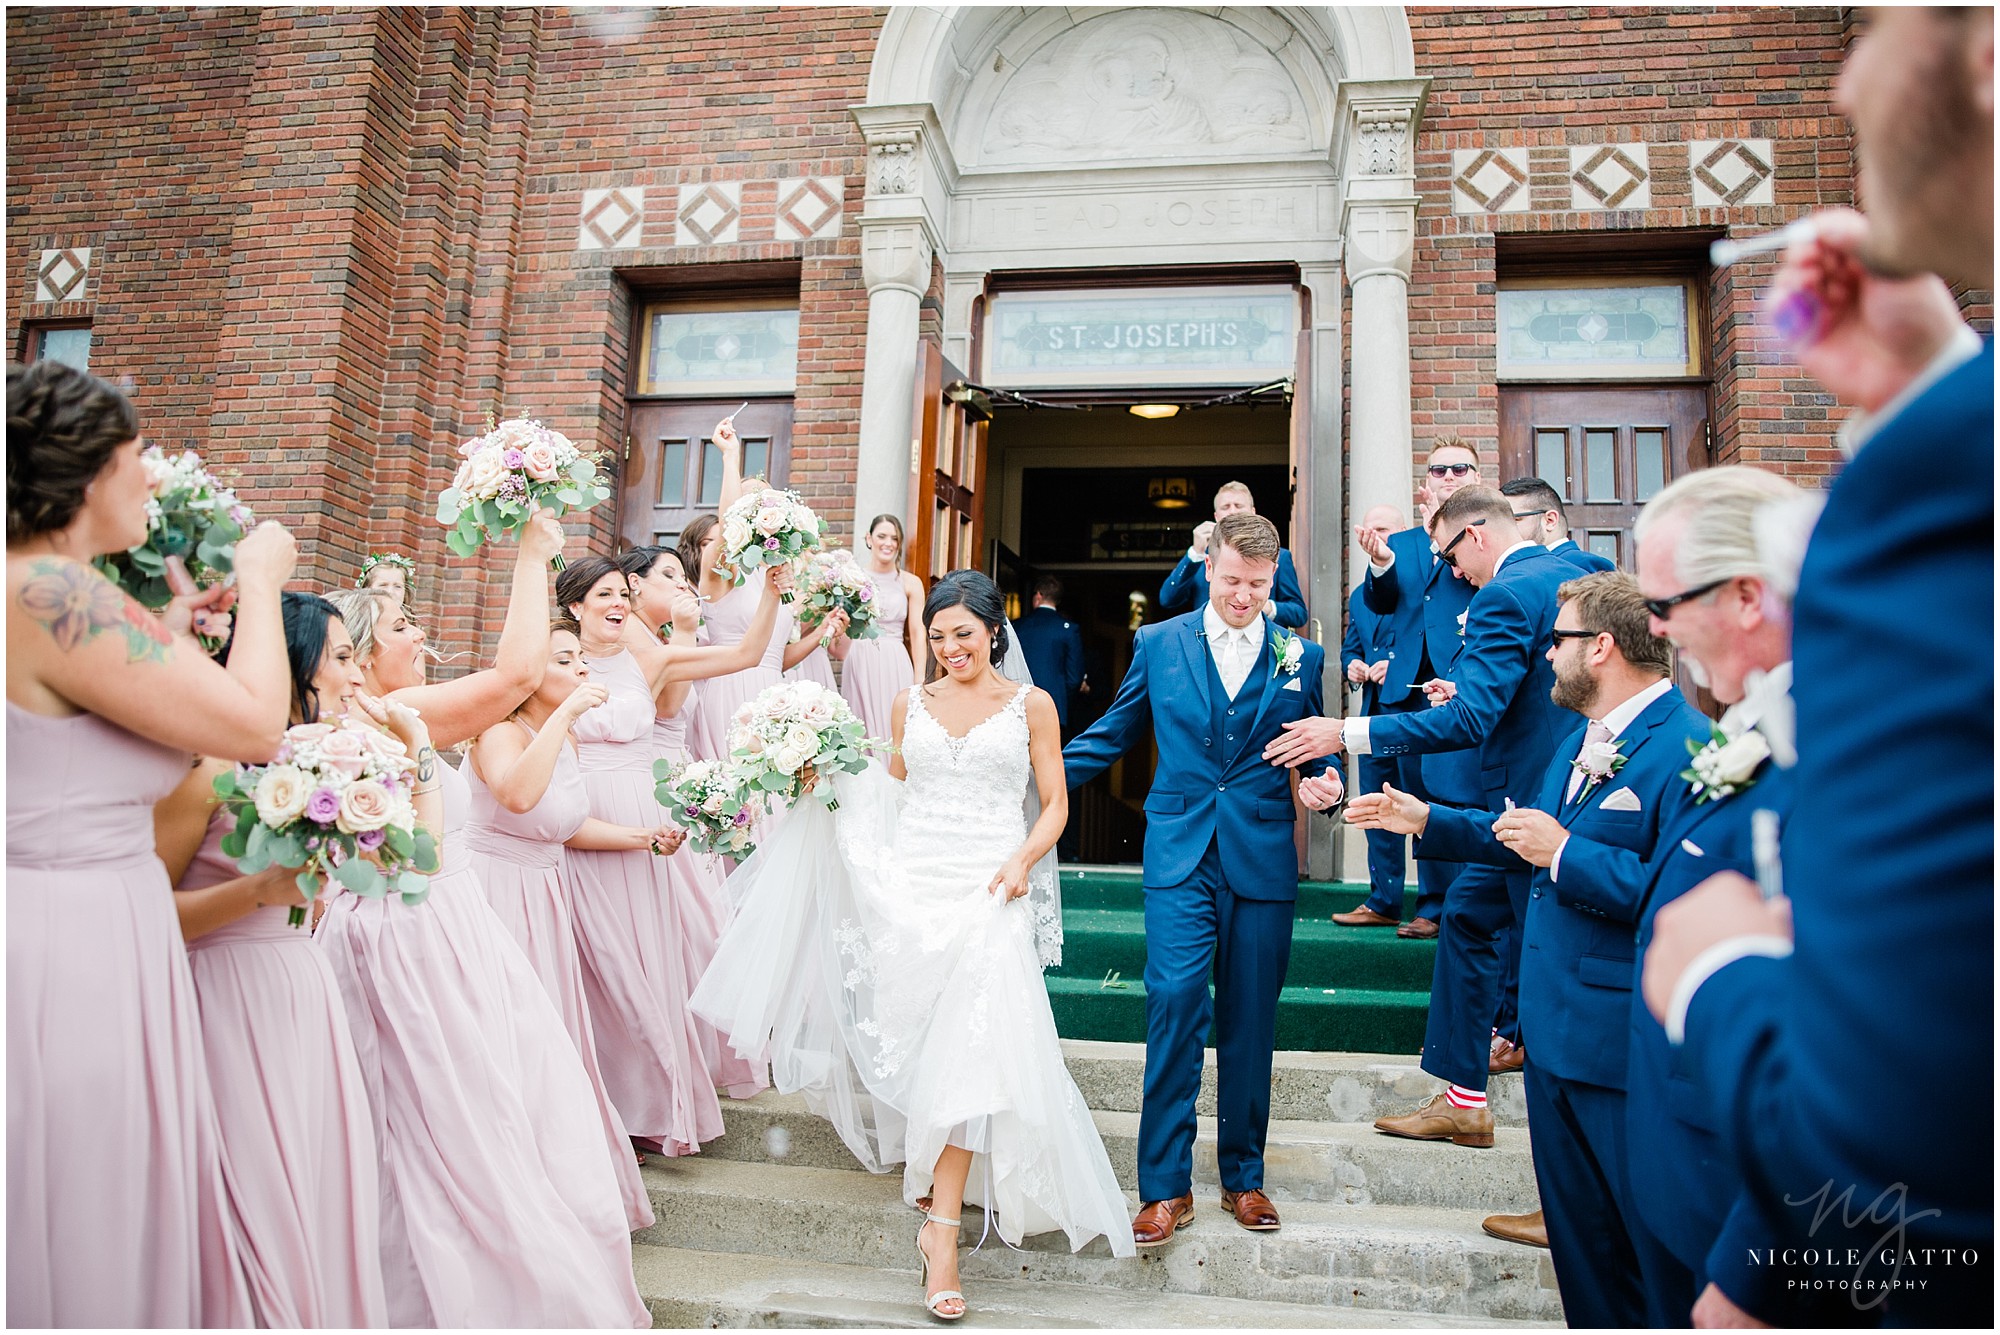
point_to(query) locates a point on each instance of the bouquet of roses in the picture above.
(767, 528)
(791, 736)
(516, 468)
(335, 802)
(193, 524)
(705, 798)
(835, 579)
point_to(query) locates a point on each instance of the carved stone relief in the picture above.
(1147, 83)
(892, 165)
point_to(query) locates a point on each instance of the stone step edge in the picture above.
(1332, 1063)
(754, 1289)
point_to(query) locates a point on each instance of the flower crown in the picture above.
(403, 563)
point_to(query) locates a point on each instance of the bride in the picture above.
(898, 984)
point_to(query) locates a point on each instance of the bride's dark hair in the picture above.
(976, 594)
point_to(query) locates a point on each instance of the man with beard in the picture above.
(1611, 789)
(1809, 1056)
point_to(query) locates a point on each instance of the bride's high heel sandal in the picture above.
(931, 1300)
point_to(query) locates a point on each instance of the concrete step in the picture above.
(707, 1289)
(1305, 1086)
(1310, 1019)
(1391, 1258)
(1346, 1162)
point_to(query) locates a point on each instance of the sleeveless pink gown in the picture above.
(519, 859)
(815, 666)
(298, 1139)
(728, 619)
(629, 930)
(876, 670)
(116, 1212)
(499, 1207)
(703, 911)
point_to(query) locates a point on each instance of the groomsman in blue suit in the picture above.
(1364, 660)
(1612, 788)
(1053, 646)
(1422, 607)
(1696, 1228)
(1538, 508)
(1187, 583)
(1501, 706)
(1220, 873)
(1808, 1025)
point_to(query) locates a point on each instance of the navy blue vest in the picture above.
(1232, 718)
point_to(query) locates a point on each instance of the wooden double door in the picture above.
(1607, 450)
(673, 471)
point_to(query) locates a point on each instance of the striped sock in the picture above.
(1461, 1097)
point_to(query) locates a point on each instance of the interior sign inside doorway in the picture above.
(1137, 541)
(1099, 339)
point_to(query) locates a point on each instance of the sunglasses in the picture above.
(1560, 635)
(1444, 552)
(1662, 607)
(1455, 470)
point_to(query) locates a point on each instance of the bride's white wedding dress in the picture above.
(886, 983)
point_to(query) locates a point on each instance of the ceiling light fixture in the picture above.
(1170, 493)
(1154, 410)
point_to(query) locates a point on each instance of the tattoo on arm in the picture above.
(427, 758)
(75, 604)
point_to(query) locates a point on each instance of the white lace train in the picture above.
(869, 961)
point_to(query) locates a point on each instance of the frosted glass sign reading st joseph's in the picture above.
(1162, 336)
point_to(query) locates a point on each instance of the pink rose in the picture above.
(364, 806)
(344, 753)
(304, 733)
(322, 806)
(539, 461)
(513, 458)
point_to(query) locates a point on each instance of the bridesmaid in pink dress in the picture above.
(501, 1206)
(632, 910)
(116, 1213)
(527, 802)
(298, 1139)
(874, 671)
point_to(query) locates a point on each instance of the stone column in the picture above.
(896, 265)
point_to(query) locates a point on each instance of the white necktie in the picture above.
(1231, 662)
(1596, 732)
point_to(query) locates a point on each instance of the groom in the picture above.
(1220, 870)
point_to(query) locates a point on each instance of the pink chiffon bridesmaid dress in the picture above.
(728, 617)
(116, 1212)
(298, 1139)
(703, 911)
(876, 670)
(628, 912)
(816, 666)
(499, 1207)
(519, 859)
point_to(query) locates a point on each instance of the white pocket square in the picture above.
(1292, 685)
(1622, 800)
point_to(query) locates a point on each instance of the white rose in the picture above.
(787, 761)
(281, 795)
(539, 461)
(365, 806)
(1734, 763)
(736, 535)
(769, 521)
(482, 474)
(1598, 757)
(803, 737)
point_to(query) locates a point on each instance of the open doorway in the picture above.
(1107, 503)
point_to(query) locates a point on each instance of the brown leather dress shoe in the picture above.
(1506, 1057)
(1364, 917)
(1157, 1220)
(1418, 929)
(1252, 1208)
(1523, 1228)
(1436, 1119)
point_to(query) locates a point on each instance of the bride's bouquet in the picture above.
(193, 524)
(335, 802)
(792, 736)
(705, 798)
(833, 579)
(516, 468)
(767, 528)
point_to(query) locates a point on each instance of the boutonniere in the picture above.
(1599, 761)
(1724, 766)
(1288, 650)
(1461, 622)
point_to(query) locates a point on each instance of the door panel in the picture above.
(1606, 451)
(947, 507)
(673, 471)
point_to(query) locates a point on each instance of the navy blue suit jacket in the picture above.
(1053, 646)
(1362, 642)
(1812, 1061)
(1577, 961)
(1583, 559)
(1187, 587)
(1212, 783)
(1503, 678)
(1420, 599)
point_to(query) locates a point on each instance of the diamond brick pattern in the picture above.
(1609, 176)
(1731, 173)
(809, 207)
(1489, 180)
(63, 274)
(710, 213)
(612, 219)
